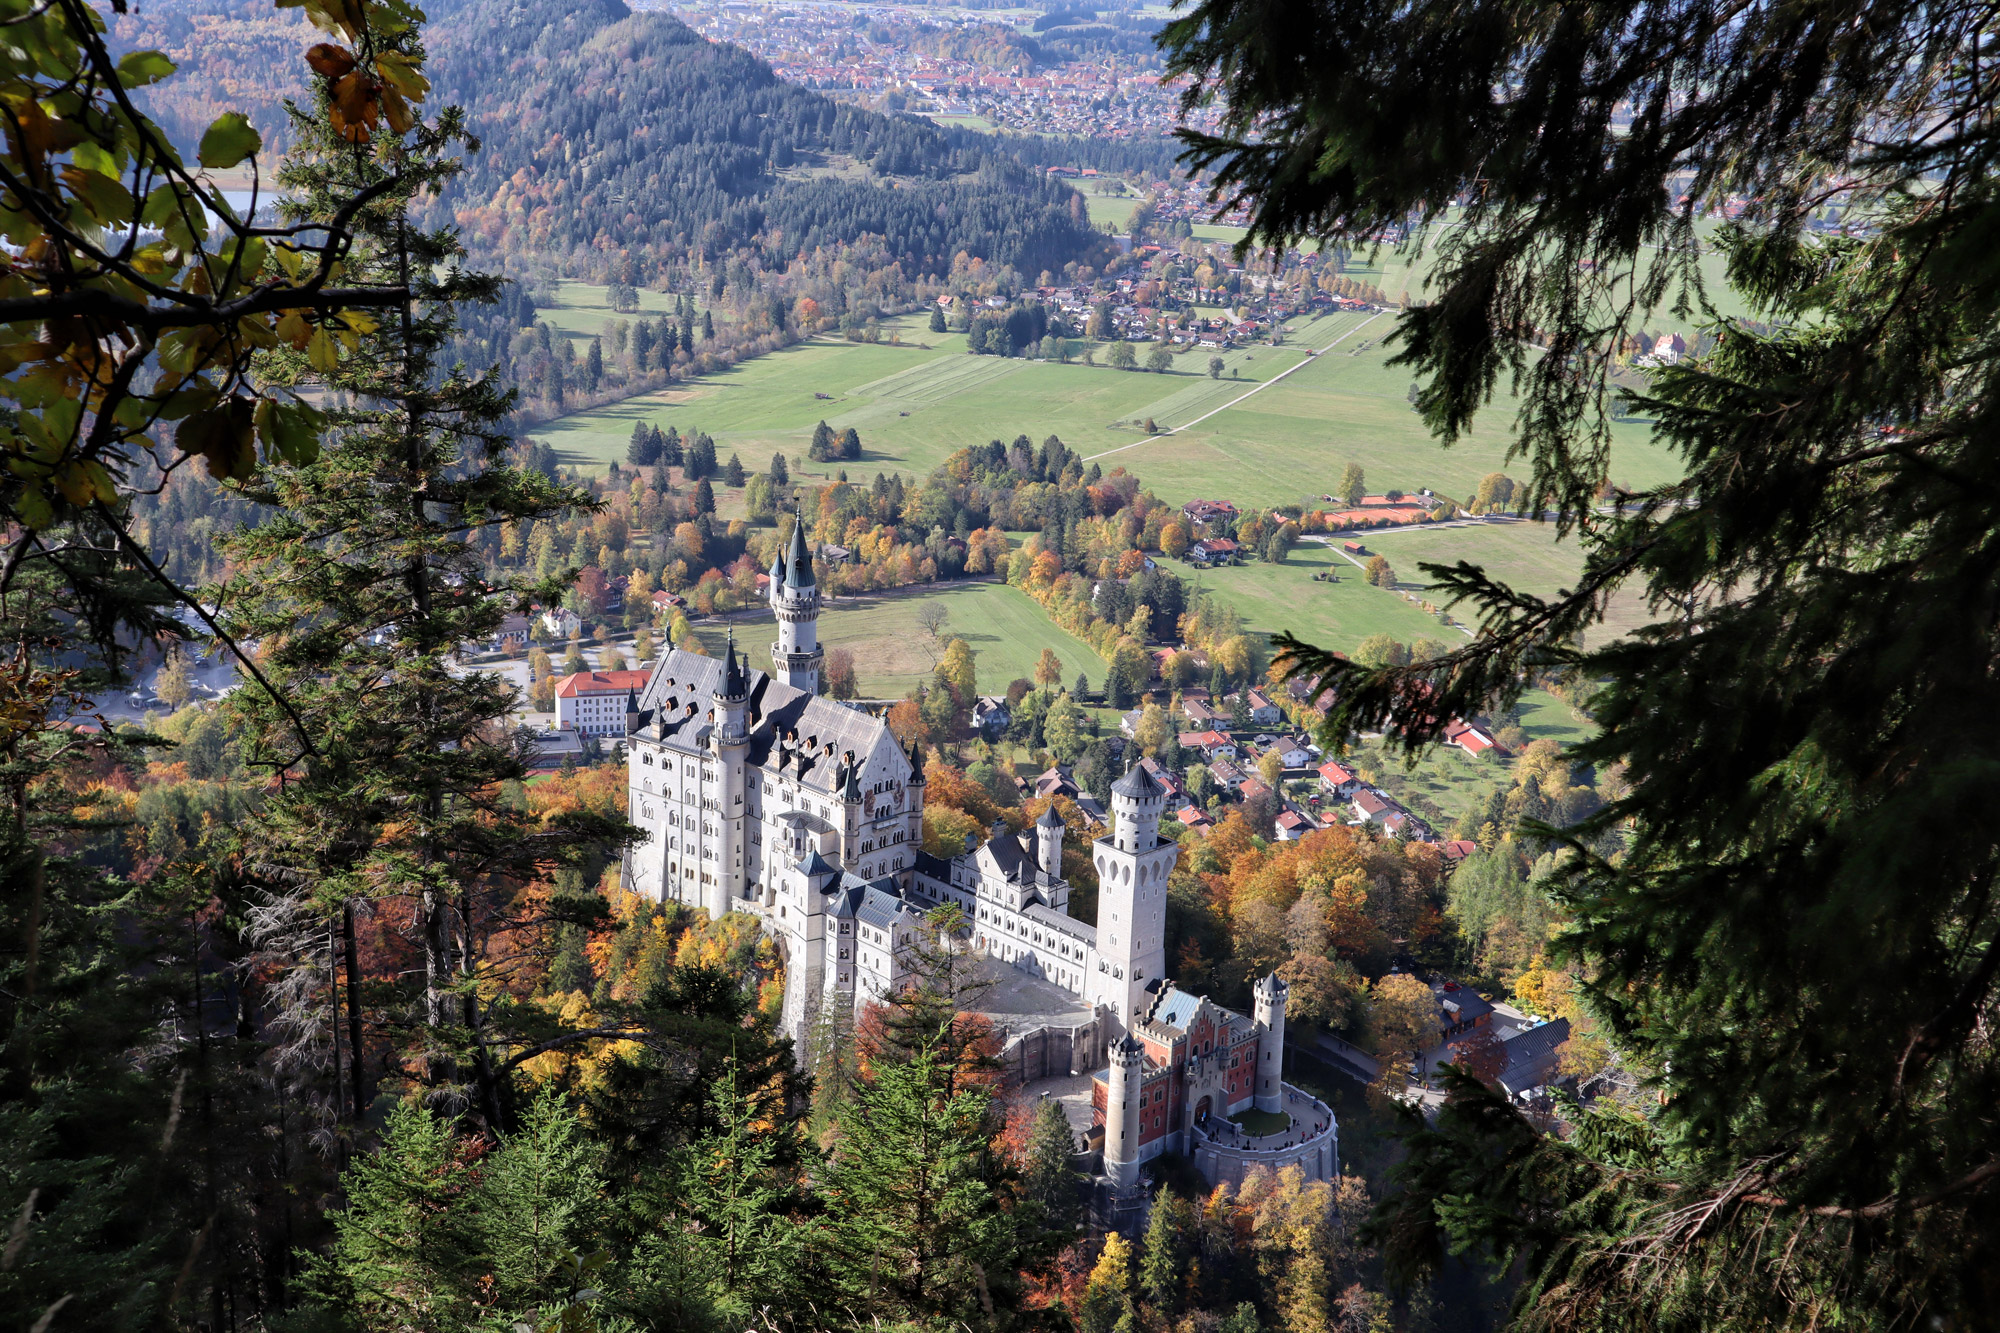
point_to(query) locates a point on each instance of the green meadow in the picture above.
(581, 310)
(916, 402)
(1005, 627)
(1334, 615)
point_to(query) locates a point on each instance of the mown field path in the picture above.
(1303, 361)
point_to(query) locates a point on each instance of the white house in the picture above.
(594, 703)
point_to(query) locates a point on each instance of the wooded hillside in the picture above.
(607, 130)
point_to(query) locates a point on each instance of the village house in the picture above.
(1292, 826)
(559, 622)
(1291, 754)
(1054, 781)
(1194, 818)
(1470, 737)
(990, 713)
(1263, 712)
(1461, 1011)
(1201, 714)
(1212, 744)
(1372, 808)
(512, 636)
(1213, 551)
(1336, 780)
(1528, 1060)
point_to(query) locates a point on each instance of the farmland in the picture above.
(1334, 615)
(916, 403)
(1006, 629)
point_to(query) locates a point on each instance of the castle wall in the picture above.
(1313, 1145)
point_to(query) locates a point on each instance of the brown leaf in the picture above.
(356, 106)
(332, 61)
(225, 436)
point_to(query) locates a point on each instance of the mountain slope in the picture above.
(605, 130)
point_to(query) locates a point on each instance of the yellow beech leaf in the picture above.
(295, 329)
(322, 351)
(400, 72)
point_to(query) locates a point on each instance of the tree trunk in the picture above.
(357, 1071)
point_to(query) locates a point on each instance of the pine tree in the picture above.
(1048, 1177)
(740, 1182)
(361, 588)
(644, 450)
(823, 447)
(780, 474)
(913, 1194)
(398, 1257)
(539, 1199)
(1164, 1258)
(700, 457)
(732, 471)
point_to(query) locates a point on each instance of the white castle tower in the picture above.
(731, 739)
(1049, 838)
(1269, 998)
(1132, 865)
(795, 600)
(1121, 1113)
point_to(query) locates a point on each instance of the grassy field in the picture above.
(1289, 443)
(1005, 627)
(581, 311)
(917, 403)
(1333, 615)
(1117, 209)
(1524, 555)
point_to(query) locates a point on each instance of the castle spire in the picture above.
(796, 656)
(734, 683)
(798, 561)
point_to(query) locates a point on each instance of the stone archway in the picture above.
(1202, 1109)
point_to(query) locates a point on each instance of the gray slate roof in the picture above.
(1138, 784)
(791, 733)
(1531, 1056)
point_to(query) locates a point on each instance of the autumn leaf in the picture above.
(224, 436)
(332, 61)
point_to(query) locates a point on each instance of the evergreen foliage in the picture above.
(1787, 921)
(361, 587)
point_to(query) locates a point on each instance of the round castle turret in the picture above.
(1049, 837)
(796, 656)
(1121, 1113)
(1137, 802)
(1269, 999)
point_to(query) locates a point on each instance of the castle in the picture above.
(756, 794)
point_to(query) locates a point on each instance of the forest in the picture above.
(611, 133)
